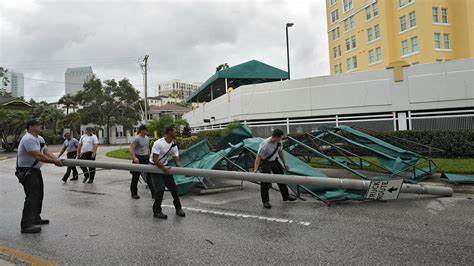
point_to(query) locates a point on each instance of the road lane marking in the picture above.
(243, 215)
(24, 257)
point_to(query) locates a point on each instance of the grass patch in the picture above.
(448, 165)
(120, 154)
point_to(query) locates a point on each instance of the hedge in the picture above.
(454, 143)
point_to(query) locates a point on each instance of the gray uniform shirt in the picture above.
(141, 145)
(28, 144)
(266, 148)
(71, 145)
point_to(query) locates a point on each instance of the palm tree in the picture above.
(67, 100)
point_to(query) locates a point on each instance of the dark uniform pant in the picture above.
(160, 181)
(142, 159)
(89, 173)
(75, 174)
(34, 191)
(275, 168)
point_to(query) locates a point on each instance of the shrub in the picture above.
(454, 143)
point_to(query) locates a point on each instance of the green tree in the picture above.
(48, 114)
(73, 122)
(3, 76)
(12, 124)
(159, 125)
(68, 101)
(108, 104)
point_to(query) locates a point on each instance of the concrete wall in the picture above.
(446, 85)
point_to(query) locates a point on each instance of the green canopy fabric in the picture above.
(458, 179)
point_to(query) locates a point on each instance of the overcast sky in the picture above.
(185, 39)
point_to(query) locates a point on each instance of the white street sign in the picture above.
(384, 189)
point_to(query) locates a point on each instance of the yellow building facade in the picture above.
(372, 34)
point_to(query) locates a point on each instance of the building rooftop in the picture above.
(169, 108)
(71, 70)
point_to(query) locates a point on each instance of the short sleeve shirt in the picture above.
(28, 144)
(88, 142)
(160, 148)
(266, 148)
(71, 145)
(141, 145)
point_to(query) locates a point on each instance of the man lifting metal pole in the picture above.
(322, 182)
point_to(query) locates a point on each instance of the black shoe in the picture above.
(135, 197)
(85, 179)
(64, 179)
(267, 205)
(290, 198)
(160, 215)
(31, 230)
(90, 181)
(42, 221)
(74, 178)
(180, 213)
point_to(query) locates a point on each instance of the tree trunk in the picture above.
(107, 138)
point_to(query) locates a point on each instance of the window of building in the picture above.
(334, 50)
(437, 38)
(339, 50)
(412, 19)
(378, 52)
(348, 44)
(371, 56)
(349, 65)
(347, 5)
(402, 3)
(404, 47)
(349, 23)
(368, 14)
(435, 15)
(354, 61)
(414, 44)
(353, 41)
(369, 34)
(336, 68)
(444, 15)
(334, 16)
(332, 2)
(340, 68)
(377, 31)
(375, 7)
(334, 35)
(403, 23)
(447, 45)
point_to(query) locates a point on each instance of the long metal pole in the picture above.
(322, 182)
(146, 88)
(288, 52)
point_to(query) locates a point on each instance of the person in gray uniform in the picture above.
(140, 151)
(70, 145)
(32, 153)
(269, 151)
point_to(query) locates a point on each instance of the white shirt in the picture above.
(160, 148)
(266, 149)
(88, 142)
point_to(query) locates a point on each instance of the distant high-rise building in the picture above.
(15, 84)
(371, 34)
(75, 77)
(176, 89)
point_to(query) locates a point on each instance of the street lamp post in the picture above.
(288, 25)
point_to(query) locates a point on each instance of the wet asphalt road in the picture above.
(100, 224)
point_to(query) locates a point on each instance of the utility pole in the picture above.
(145, 65)
(288, 25)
